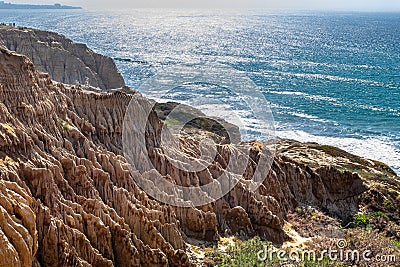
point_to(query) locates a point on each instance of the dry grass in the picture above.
(8, 128)
(7, 161)
(374, 232)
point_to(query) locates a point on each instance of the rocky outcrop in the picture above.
(79, 205)
(18, 233)
(64, 60)
(68, 196)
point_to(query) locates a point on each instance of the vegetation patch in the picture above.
(172, 123)
(68, 127)
(246, 253)
(362, 219)
(242, 253)
(377, 165)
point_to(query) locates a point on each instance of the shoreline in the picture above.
(8, 6)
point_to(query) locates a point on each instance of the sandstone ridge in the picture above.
(68, 196)
(65, 61)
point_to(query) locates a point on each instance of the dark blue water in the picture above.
(333, 78)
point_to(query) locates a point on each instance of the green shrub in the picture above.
(361, 219)
(380, 214)
(65, 125)
(244, 253)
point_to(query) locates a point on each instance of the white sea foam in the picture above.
(286, 93)
(307, 116)
(317, 76)
(289, 63)
(305, 95)
(302, 115)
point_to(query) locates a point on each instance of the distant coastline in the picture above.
(4, 5)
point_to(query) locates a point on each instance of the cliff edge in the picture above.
(64, 60)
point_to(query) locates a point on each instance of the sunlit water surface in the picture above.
(332, 78)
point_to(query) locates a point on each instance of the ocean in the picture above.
(329, 77)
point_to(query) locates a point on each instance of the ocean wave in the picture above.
(286, 93)
(307, 116)
(335, 78)
(392, 111)
(290, 63)
(305, 95)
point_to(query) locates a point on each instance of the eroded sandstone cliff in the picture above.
(68, 196)
(65, 61)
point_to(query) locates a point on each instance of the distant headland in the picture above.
(4, 5)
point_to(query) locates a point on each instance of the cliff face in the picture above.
(68, 197)
(64, 60)
(74, 201)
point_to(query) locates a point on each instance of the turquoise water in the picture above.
(333, 78)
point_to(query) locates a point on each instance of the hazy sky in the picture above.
(369, 5)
